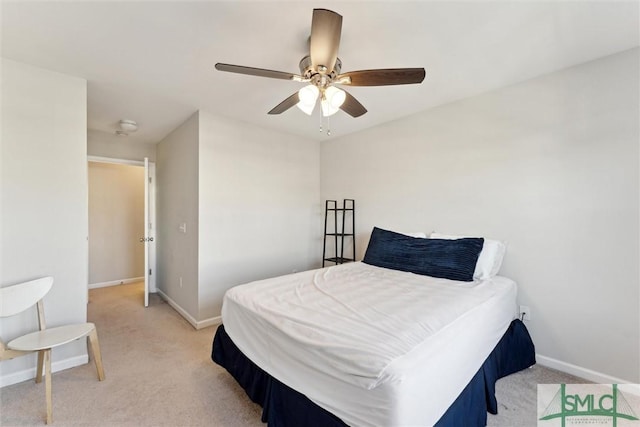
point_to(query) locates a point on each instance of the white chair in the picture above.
(18, 298)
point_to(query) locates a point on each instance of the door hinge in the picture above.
(149, 272)
(149, 180)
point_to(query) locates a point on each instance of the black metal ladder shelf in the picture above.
(337, 234)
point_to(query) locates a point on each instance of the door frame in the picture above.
(150, 204)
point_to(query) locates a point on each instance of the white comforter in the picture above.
(368, 343)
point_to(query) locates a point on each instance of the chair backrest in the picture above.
(17, 298)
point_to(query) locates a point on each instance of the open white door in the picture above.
(147, 235)
(149, 230)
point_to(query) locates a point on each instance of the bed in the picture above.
(379, 342)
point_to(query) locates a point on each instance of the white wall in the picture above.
(43, 198)
(552, 166)
(116, 222)
(250, 199)
(177, 203)
(103, 144)
(259, 206)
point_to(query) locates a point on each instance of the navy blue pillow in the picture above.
(447, 259)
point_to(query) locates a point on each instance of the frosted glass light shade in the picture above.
(128, 125)
(332, 100)
(308, 96)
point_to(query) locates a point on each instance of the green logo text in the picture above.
(612, 405)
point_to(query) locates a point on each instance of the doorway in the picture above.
(121, 223)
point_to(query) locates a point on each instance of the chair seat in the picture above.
(50, 338)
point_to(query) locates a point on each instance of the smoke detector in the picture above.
(126, 127)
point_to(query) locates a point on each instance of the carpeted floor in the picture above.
(159, 373)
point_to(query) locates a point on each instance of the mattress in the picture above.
(371, 345)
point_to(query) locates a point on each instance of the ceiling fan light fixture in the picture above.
(308, 96)
(322, 69)
(332, 100)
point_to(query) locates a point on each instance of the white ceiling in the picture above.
(152, 61)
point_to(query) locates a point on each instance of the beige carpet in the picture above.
(159, 373)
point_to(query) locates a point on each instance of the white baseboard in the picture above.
(28, 374)
(579, 371)
(212, 321)
(115, 282)
(197, 324)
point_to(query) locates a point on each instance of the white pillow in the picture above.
(418, 234)
(490, 258)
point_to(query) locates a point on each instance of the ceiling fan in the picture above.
(322, 70)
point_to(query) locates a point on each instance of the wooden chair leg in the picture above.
(95, 349)
(40, 367)
(47, 384)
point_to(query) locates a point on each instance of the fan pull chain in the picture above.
(321, 123)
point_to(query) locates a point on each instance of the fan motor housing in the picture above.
(308, 72)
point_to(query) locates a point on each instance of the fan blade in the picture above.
(286, 104)
(351, 106)
(382, 77)
(260, 72)
(326, 27)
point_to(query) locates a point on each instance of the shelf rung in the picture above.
(339, 260)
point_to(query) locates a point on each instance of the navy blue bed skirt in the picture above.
(285, 407)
